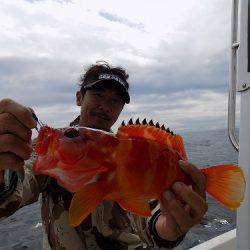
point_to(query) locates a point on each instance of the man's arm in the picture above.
(21, 192)
(16, 124)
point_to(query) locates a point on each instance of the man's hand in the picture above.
(16, 123)
(178, 217)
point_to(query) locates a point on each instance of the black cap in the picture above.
(103, 78)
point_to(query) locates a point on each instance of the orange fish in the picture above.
(130, 167)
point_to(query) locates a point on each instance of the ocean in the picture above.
(23, 230)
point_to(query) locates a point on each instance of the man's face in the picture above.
(100, 107)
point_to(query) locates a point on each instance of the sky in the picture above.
(176, 53)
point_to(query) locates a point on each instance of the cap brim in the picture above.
(124, 90)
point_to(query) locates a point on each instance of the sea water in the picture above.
(23, 230)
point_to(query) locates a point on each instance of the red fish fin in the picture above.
(139, 207)
(226, 183)
(153, 132)
(84, 201)
(178, 145)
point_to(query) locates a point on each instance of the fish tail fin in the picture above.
(84, 201)
(226, 183)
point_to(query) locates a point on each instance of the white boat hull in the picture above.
(226, 241)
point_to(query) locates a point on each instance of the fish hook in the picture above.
(38, 121)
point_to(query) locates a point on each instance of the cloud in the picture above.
(167, 77)
(184, 110)
(124, 21)
(42, 81)
(59, 1)
(178, 65)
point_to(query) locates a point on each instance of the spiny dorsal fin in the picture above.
(151, 131)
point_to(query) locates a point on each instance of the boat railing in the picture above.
(232, 75)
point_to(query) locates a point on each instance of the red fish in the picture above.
(130, 167)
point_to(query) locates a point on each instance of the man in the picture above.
(103, 93)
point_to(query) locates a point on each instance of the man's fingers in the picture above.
(185, 205)
(10, 125)
(183, 220)
(11, 161)
(13, 144)
(16, 122)
(197, 204)
(22, 113)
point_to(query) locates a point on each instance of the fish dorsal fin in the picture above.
(151, 131)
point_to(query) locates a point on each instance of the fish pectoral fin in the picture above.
(136, 206)
(84, 201)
